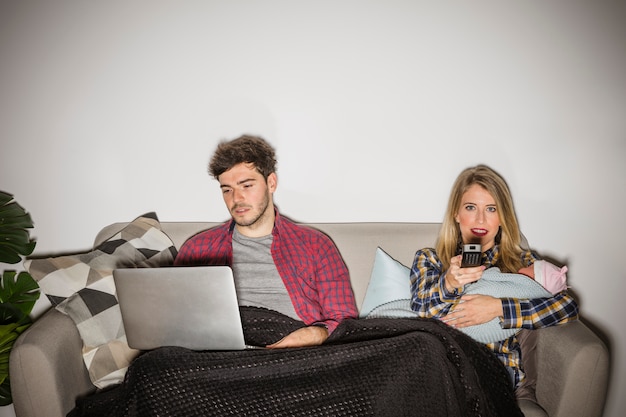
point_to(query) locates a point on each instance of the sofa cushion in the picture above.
(389, 282)
(81, 286)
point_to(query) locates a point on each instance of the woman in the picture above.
(480, 210)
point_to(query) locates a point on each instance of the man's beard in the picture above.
(261, 213)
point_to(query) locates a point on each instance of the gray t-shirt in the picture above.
(257, 280)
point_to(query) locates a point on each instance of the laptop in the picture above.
(193, 307)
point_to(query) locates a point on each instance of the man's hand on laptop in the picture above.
(305, 336)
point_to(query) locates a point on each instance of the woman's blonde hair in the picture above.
(509, 236)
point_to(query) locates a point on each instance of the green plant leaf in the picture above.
(17, 292)
(8, 335)
(5, 198)
(14, 244)
(5, 392)
(15, 240)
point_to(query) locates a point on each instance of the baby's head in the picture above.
(550, 276)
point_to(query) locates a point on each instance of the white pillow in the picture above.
(390, 281)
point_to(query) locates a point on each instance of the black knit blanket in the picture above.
(372, 367)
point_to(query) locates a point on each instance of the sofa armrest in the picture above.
(573, 371)
(47, 369)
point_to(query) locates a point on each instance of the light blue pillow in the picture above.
(390, 281)
(501, 285)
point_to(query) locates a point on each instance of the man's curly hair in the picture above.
(245, 149)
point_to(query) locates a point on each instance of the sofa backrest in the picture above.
(357, 242)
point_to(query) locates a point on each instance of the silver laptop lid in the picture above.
(192, 307)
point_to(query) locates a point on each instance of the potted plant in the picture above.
(18, 291)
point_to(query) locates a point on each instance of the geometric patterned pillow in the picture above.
(82, 287)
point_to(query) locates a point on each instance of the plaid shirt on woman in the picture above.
(431, 299)
(316, 278)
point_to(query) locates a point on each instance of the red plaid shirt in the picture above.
(316, 278)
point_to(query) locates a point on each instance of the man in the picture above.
(277, 264)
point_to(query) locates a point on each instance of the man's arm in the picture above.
(305, 336)
(316, 278)
(334, 288)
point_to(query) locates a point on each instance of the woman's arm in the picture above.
(429, 297)
(539, 312)
(514, 313)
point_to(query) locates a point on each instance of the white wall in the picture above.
(112, 109)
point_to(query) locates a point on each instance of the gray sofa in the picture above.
(48, 373)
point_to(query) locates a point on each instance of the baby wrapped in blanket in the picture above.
(540, 280)
(545, 280)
